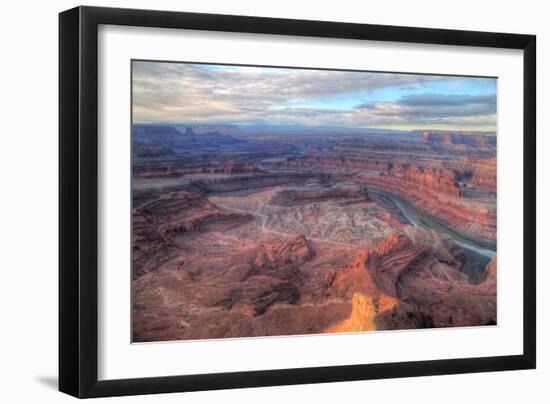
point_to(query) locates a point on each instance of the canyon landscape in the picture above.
(270, 201)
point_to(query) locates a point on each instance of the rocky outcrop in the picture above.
(182, 140)
(247, 183)
(474, 219)
(179, 213)
(158, 223)
(444, 188)
(354, 278)
(462, 138)
(484, 173)
(338, 164)
(345, 196)
(489, 283)
(421, 288)
(392, 259)
(436, 289)
(364, 310)
(295, 249)
(280, 260)
(178, 169)
(416, 179)
(476, 173)
(254, 292)
(278, 235)
(434, 179)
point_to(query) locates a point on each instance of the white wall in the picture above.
(28, 205)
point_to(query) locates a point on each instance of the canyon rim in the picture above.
(282, 201)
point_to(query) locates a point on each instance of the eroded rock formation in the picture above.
(417, 289)
(443, 199)
(344, 195)
(245, 235)
(157, 225)
(171, 169)
(464, 138)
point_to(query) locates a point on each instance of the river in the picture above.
(420, 219)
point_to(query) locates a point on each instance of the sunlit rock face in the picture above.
(364, 310)
(243, 236)
(408, 286)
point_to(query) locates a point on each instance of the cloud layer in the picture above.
(179, 92)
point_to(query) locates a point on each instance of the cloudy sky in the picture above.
(207, 93)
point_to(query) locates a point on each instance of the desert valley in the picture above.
(266, 230)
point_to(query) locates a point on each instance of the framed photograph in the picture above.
(251, 201)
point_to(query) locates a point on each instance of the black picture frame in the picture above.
(78, 201)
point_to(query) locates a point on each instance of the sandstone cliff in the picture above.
(417, 289)
(157, 224)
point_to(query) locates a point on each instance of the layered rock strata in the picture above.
(419, 289)
(157, 224)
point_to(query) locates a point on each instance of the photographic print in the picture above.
(277, 201)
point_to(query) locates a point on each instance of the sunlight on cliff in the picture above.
(363, 312)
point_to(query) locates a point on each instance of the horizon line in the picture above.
(241, 125)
